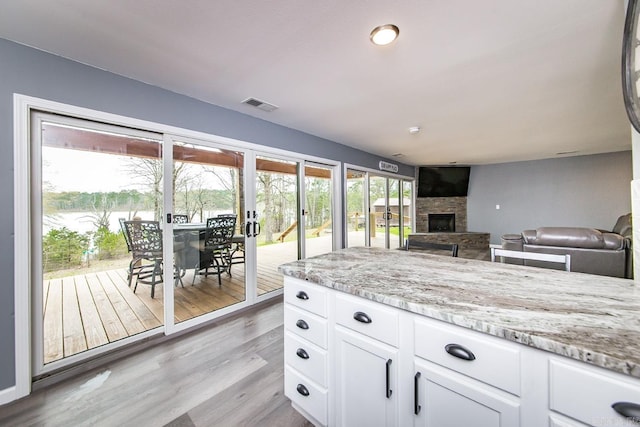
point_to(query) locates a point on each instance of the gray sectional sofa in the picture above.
(593, 251)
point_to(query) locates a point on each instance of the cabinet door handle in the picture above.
(302, 390)
(302, 354)
(629, 410)
(388, 372)
(302, 295)
(460, 352)
(416, 390)
(302, 324)
(361, 317)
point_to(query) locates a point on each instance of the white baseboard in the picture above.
(7, 395)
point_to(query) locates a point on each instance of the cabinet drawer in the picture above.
(556, 420)
(309, 326)
(309, 297)
(306, 358)
(493, 362)
(587, 393)
(306, 394)
(375, 320)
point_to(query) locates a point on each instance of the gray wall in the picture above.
(31, 72)
(584, 191)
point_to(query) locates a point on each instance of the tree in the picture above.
(148, 172)
(63, 248)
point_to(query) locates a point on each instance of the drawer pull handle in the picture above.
(302, 354)
(416, 390)
(302, 295)
(361, 317)
(302, 324)
(460, 352)
(388, 372)
(302, 390)
(628, 410)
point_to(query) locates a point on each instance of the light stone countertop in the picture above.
(595, 319)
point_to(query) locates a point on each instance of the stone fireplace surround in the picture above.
(441, 205)
(447, 205)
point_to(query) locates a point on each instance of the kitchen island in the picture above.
(494, 340)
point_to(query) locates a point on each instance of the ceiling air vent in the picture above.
(264, 106)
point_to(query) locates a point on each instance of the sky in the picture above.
(73, 170)
(86, 171)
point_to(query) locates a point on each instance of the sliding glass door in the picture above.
(318, 210)
(379, 209)
(136, 233)
(357, 216)
(275, 219)
(207, 229)
(89, 181)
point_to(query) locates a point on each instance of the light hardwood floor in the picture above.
(227, 374)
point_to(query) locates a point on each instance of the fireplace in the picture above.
(442, 223)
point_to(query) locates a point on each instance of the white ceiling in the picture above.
(487, 81)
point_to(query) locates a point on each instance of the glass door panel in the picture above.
(394, 210)
(208, 240)
(407, 215)
(97, 247)
(356, 208)
(318, 210)
(378, 207)
(277, 208)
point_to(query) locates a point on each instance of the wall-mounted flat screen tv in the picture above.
(446, 181)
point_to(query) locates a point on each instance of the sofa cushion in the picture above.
(572, 237)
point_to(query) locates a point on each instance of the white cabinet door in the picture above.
(365, 382)
(445, 399)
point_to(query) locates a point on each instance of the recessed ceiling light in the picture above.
(384, 34)
(414, 129)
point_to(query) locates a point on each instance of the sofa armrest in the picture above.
(529, 236)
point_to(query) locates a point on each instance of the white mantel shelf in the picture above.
(594, 319)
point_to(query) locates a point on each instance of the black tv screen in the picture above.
(448, 181)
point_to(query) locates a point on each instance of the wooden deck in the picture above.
(90, 310)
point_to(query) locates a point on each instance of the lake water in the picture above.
(83, 222)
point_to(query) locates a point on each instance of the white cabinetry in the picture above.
(592, 396)
(461, 379)
(365, 386)
(366, 364)
(353, 362)
(305, 349)
(446, 399)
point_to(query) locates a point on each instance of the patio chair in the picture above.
(180, 219)
(134, 265)
(215, 247)
(145, 240)
(236, 256)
